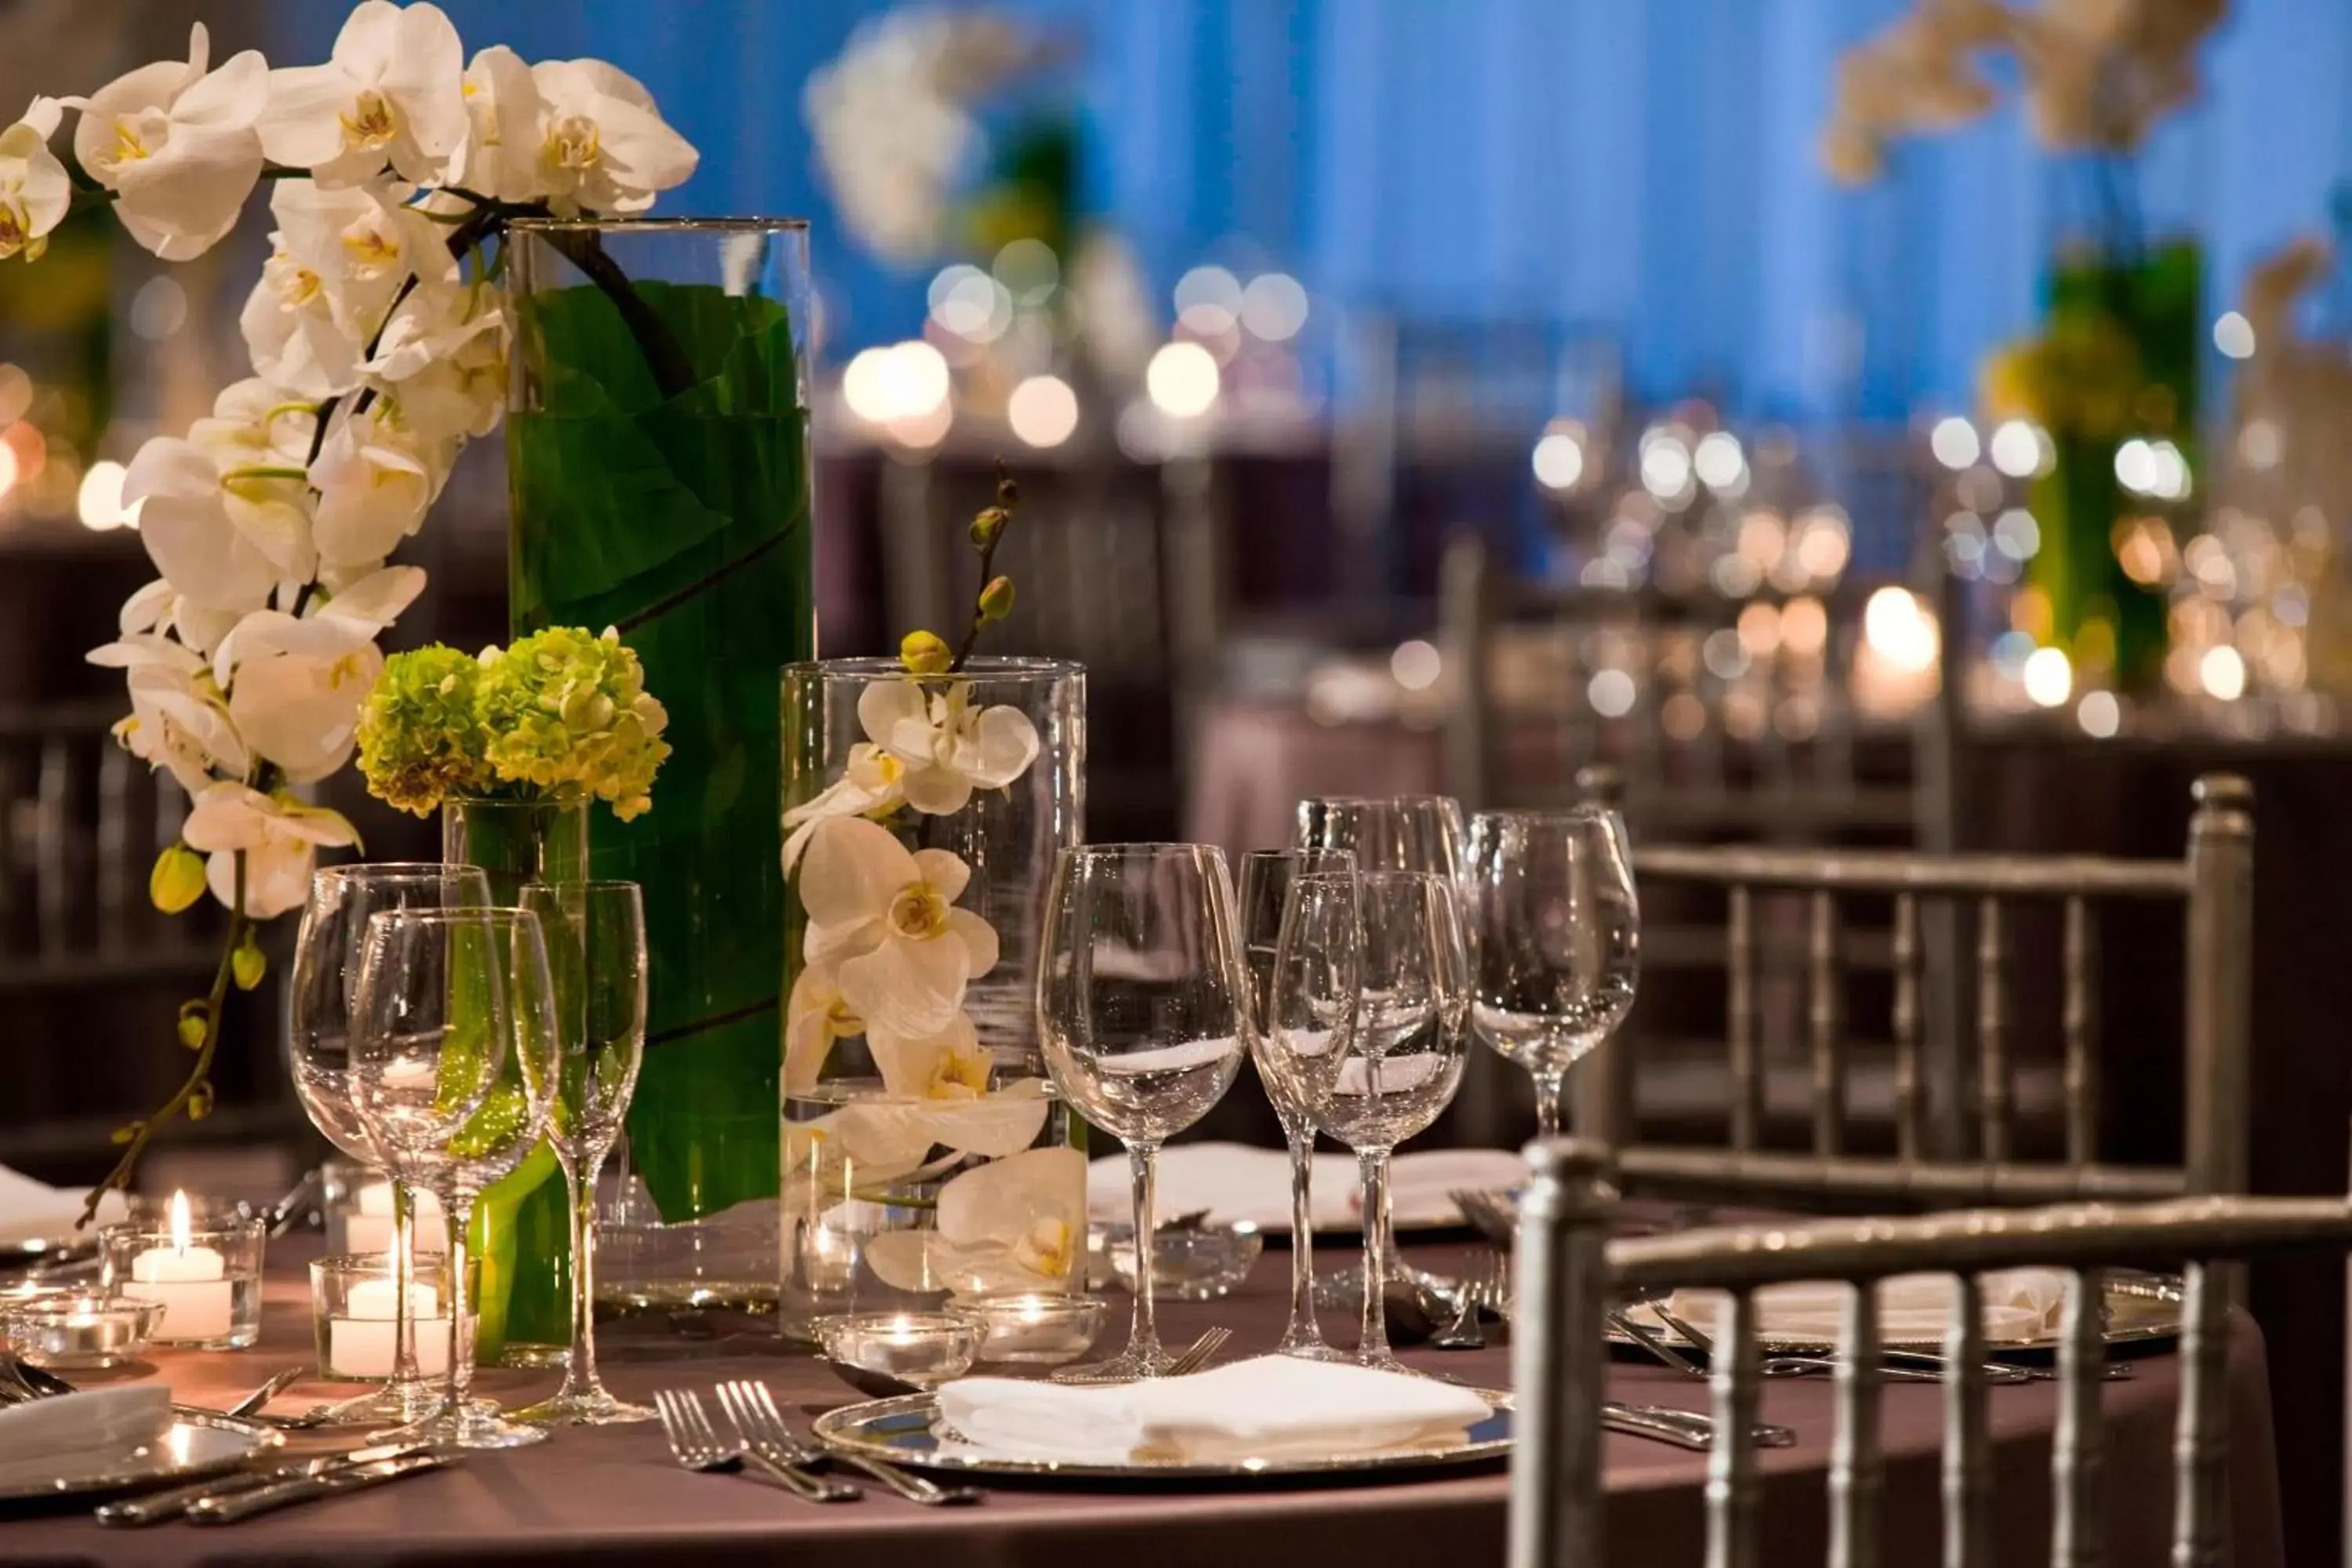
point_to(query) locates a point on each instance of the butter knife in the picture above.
(242, 1505)
(157, 1507)
(1684, 1428)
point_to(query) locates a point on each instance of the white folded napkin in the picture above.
(1271, 1407)
(2020, 1304)
(75, 1434)
(1238, 1183)
(34, 1211)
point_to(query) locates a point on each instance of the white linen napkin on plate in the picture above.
(34, 1211)
(71, 1433)
(1239, 1183)
(2019, 1305)
(1270, 1408)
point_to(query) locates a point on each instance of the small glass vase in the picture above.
(922, 1174)
(522, 1233)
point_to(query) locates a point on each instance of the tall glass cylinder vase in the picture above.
(521, 1236)
(659, 452)
(926, 1154)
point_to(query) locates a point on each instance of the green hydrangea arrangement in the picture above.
(562, 714)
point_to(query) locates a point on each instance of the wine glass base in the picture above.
(478, 1426)
(1382, 1361)
(1344, 1290)
(1127, 1366)
(1303, 1348)
(397, 1404)
(588, 1408)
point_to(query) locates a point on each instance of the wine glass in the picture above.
(323, 990)
(454, 1059)
(1268, 878)
(1143, 1015)
(595, 935)
(1397, 1060)
(1555, 939)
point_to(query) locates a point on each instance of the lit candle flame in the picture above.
(179, 1225)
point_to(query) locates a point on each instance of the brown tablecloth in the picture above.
(613, 1496)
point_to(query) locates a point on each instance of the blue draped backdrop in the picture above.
(1640, 169)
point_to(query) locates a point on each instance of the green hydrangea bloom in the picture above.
(568, 714)
(421, 738)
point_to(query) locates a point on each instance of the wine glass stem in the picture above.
(403, 1266)
(1302, 1329)
(1143, 1334)
(458, 1384)
(1548, 1095)
(1372, 1338)
(580, 1178)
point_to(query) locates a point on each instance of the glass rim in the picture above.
(554, 224)
(991, 666)
(1130, 846)
(351, 868)
(228, 1225)
(448, 914)
(1583, 810)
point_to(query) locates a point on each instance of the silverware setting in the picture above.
(1894, 1364)
(156, 1508)
(1191, 1358)
(752, 1409)
(696, 1444)
(335, 1481)
(1684, 1429)
(1484, 1290)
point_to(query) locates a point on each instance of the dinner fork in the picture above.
(695, 1443)
(1191, 1358)
(1486, 1289)
(753, 1410)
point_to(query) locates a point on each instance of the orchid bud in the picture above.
(200, 1103)
(987, 525)
(925, 653)
(1008, 494)
(248, 965)
(192, 1030)
(177, 880)
(996, 599)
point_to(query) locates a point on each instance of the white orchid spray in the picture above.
(379, 348)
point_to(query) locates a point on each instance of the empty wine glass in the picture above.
(595, 935)
(1268, 878)
(1143, 1014)
(1555, 939)
(1396, 1061)
(322, 997)
(454, 1059)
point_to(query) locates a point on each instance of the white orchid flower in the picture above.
(255, 423)
(949, 1065)
(873, 783)
(443, 361)
(339, 260)
(201, 546)
(502, 141)
(885, 918)
(376, 596)
(1013, 1224)
(392, 93)
(601, 146)
(814, 1017)
(36, 192)
(176, 145)
(178, 720)
(375, 481)
(278, 835)
(949, 747)
(295, 686)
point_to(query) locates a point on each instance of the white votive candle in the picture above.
(364, 1340)
(190, 1283)
(370, 1227)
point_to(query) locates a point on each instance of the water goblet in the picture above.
(595, 934)
(321, 994)
(1268, 876)
(1143, 1015)
(1396, 1061)
(1554, 938)
(454, 1060)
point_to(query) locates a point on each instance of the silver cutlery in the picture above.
(242, 1505)
(696, 1444)
(1486, 1290)
(1491, 1215)
(20, 1380)
(1897, 1364)
(1684, 1429)
(1191, 1358)
(154, 1508)
(762, 1426)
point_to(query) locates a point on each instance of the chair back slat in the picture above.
(1967, 1446)
(1910, 1100)
(1995, 1084)
(2079, 1021)
(1739, 1021)
(1827, 1015)
(1561, 1274)
(2201, 1443)
(2078, 1452)
(1857, 1453)
(2219, 982)
(1735, 1487)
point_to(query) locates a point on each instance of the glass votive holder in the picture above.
(1203, 1263)
(78, 1330)
(1037, 1327)
(922, 1348)
(354, 1307)
(205, 1275)
(359, 1213)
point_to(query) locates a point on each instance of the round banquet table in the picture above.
(613, 1496)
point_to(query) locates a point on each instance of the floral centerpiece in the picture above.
(379, 344)
(2110, 379)
(924, 1152)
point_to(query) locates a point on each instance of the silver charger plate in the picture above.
(2142, 1309)
(907, 1432)
(190, 1449)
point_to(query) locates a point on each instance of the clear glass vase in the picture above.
(521, 1234)
(922, 1164)
(657, 442)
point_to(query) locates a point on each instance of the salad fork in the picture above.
(753, 1410)
(696, 1444)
